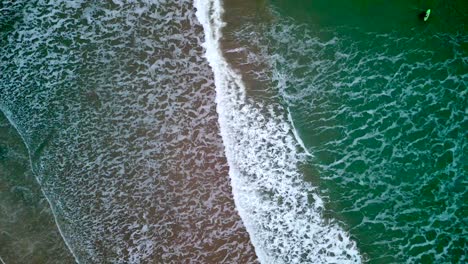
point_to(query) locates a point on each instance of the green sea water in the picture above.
(98, 91)
(379, 98)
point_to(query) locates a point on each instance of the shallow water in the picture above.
(335, 129)
(28, 233)
(115, 105)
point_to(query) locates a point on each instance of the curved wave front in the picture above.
(282, 212)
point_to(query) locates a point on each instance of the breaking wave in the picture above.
(282, 212)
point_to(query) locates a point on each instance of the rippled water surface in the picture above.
(115, 105)
(381, 104)
(336, 130)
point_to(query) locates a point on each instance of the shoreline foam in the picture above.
(281, 212)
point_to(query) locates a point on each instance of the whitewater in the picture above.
(282, 213)
(115, 106)
(145, 143)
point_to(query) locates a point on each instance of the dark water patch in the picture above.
(28, 233)
(378, 16)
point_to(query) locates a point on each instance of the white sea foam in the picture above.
(366, 129)
(116, 106)
(296, 135)
(282, 213)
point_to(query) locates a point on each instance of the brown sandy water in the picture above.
(119, 112)
(281, 211)
(245, 55)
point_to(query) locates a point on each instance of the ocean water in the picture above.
(236, 131)
(28, 232)
(379, 100)
(116, 107)
(281, 211)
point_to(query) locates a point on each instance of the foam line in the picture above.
(281, 212)
(13, 124)
(296, 135)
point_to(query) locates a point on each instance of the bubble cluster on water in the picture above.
(116, 106)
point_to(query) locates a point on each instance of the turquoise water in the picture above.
(336, 130)
(379, 99)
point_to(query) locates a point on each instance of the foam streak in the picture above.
(281, 211)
